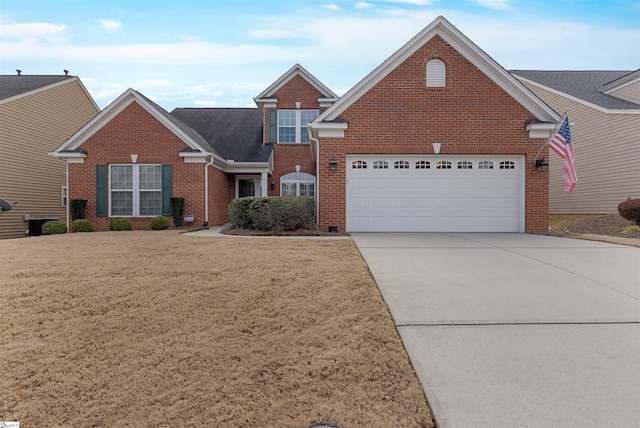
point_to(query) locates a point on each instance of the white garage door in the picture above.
(436, 193)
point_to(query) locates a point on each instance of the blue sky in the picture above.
(223, 53)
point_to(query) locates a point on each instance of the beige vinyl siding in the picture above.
(607, 153)
(30, 128)
(631, 92)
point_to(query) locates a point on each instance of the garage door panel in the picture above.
(435, 200)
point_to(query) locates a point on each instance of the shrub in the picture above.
(78, 208)
(159, 223)
(81, 225)
(630, 210)
(177, 210)
(630, 230)
(54, 227)
(273, 213)
(238, 212)
(120, 223)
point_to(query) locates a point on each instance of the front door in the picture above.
(246, 187)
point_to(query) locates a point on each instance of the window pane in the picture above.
(485, 165)
(307, 116)
(380, 165)
(121, 177)
(307, 189)
(150, 177)
(304, 134)
(288, 189)
(150, 203)
(286, 135)
(401, 165)
(121, 203)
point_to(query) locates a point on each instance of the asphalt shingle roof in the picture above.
(235, 133)
(12, 85)
(585, 85)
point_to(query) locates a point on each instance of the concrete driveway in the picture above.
(515, 330)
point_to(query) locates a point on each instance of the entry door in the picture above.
(247, 186)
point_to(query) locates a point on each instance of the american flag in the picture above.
(561, 144)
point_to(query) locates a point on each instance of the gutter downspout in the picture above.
(68, 200)
(317, 174)
(206, 191)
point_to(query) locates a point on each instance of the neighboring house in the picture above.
(37, 114)
(604, 110)
(437, 138)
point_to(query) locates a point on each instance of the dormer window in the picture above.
(436, 74)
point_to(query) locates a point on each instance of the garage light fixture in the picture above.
(273, 184)
(542, 165)
(333, 164)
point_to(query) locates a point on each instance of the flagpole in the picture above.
(551, 136)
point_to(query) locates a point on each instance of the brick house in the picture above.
(439, 137)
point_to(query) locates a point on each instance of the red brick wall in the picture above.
(471, 115)
(287, 156)
(135, 131)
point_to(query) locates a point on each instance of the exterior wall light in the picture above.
(333, 164)
(542, 165)
(273, 184)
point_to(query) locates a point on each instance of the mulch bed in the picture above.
(609, 225)
(299, 232)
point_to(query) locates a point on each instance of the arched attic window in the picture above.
(436, 74)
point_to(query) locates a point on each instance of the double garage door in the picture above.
(436, 193)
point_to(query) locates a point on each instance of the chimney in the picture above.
(19, 72)
(66, 72)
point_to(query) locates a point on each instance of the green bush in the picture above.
(81, 225)
(630, 210)
(120, 223)
(238, 212)
(78, 208)
(159, 223)
(273, 213)
(54, 227)
(177, 210)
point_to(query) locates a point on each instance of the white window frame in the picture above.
(381, 164)
(299, 126)
(298, 179)
(64, 196)
(135, 190)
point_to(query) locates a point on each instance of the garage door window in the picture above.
(380, 164)
(465, 165)
(423, 165)
(359, 164)
(485, 165)
(507, 165)
(401, 165)
(443, 165)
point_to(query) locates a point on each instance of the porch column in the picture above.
(264, 180)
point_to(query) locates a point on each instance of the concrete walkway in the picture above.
(515, 330)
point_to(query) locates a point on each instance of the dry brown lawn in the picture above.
(162, 329)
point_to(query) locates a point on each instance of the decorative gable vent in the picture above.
(436, 74)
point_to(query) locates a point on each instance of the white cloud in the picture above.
(494, 4)
(109, 25)
(188, 38)
(331, 6)
(362, 5)
(33, 31)
(412, 2)
(153, 83)
(206, 103)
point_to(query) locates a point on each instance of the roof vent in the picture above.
(19, 72)
(66, 72)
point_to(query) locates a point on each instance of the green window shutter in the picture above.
(101, 190)
(167, 188)
(273, 126)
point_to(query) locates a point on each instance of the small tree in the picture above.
(78, 208)
(630, 210)
(177, 210)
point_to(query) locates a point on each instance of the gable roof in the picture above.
(297, 70)
(585, 85)
(235, 133)
(13, 85)
(620, 82)
(442, 28)
(190, 137)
